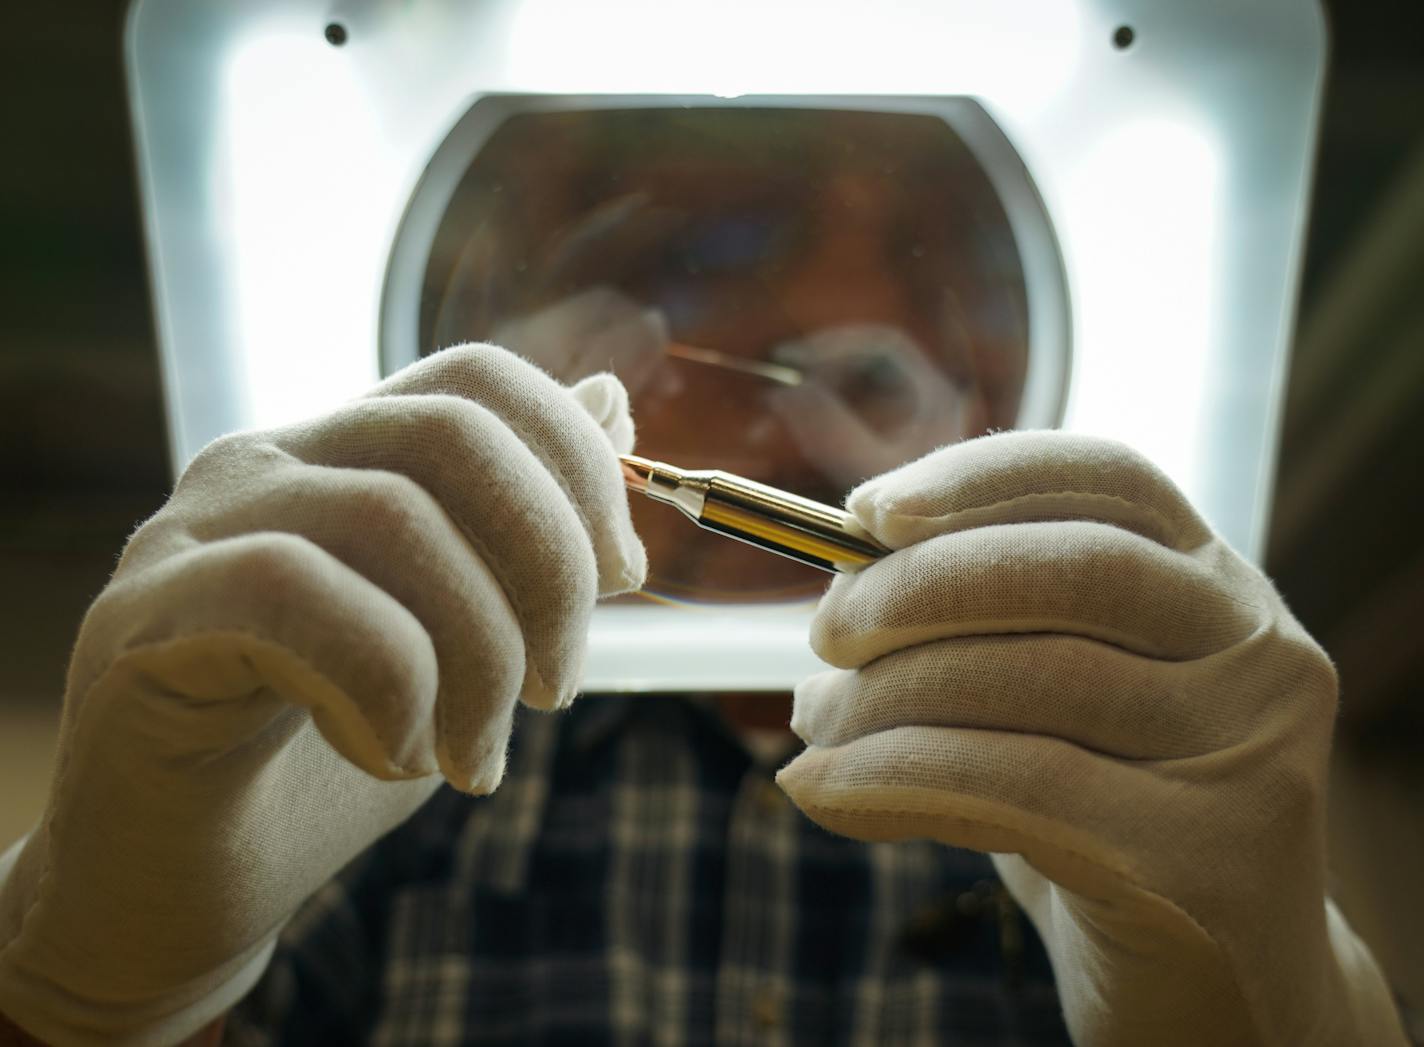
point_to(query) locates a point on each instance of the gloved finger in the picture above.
(1088, 822)
(293, 622)
(1075, 815)
(606, 398)
(393, 533)
(503, 500)
(1024, 477)
(1082, 579)
(1092, 694)
(563, 436)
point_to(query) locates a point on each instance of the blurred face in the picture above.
(805, 298)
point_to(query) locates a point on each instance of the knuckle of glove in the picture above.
(223, 586)
(272, 563)
(383, 508)
(571, 435)
(437, 438)
(218, 485)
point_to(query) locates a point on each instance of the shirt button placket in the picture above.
(756, 937)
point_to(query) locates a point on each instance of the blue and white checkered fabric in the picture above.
(639, 879)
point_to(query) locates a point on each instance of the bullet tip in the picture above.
(636, 472)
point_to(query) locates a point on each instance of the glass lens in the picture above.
(806, 297)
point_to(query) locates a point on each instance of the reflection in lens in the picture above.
(806, 297)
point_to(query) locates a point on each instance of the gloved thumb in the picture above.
(606, 400)
(603, 397)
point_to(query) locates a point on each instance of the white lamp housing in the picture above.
(1169, 144)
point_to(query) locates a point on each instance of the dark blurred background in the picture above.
(83, 455)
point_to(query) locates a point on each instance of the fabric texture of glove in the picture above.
(323, 621)
(1062, 665)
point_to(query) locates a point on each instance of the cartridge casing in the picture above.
(820, 535)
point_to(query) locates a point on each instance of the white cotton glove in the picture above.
(1064, 666)
(322, 621)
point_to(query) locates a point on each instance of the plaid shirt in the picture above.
(638, 878)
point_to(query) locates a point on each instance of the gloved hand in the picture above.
(1063, 666)
(322, 621)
